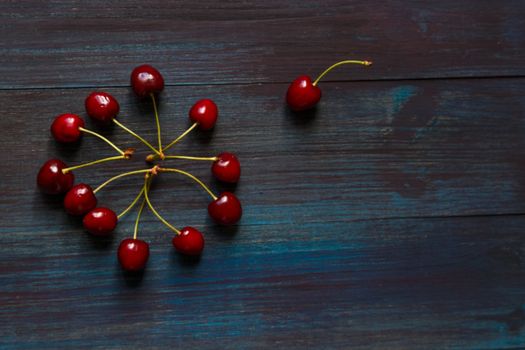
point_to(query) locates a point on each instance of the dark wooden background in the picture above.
(390, 218)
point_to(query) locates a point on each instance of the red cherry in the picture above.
(189, 241)
(65, 128)
(100, 221)
(101, 106)
(146, 80)
(204, 112)
(227, 168)
(79, 200)
(225, 210)
(51, 180)
(302, 94)
(133, 254)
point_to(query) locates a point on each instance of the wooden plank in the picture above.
(79, 43)
(372, 150)
(383, 284)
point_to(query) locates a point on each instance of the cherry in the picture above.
(226, 168)
(226, 209)
(100, 221)
(302, 94)
(65, 128)
(133, 254)
(101, 106)
(146, 80)
(204, 112)
(51, 180)
(80, 199)
(189, 241)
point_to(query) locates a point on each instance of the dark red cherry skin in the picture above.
(51, 180)
(100, 221)
(146, 80)
(133, 254)
(302, 94)
(101, 106)
(226, 209)
(227, 168)
(189, 242)
(65, 128)
(205, 113)
(79, 200)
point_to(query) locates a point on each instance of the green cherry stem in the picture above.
(102, 138)
(173, 170)
(193, 126)
(140, 138)
(125, 211)
(213, 159)
(157, 121)
(141, 171)
(364, 63)
(136, 229)
(153, 210)
(103, 160)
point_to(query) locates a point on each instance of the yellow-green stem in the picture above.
(141, 171)
(136, 229)
(124, 212)
(192, 158)
(103, 160)
(364, 63)
(157, 121)
(140, 138)
(102, 138)
(173, 170)
(146, 197)
(193, 126)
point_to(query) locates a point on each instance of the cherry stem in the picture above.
(173, 170)
(102, 138)
(364, 63)
(136, 229)
(132, 204)
(140, 138)
(103, 160)
(146, 197)
(141, 171)
(213, 159)
(194, 125)
(157, 121)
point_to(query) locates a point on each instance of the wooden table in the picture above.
(391, 217)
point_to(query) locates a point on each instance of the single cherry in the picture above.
(101, 106)
(146, 80)
(227, 168)
(51, 180)
(133, 254)
(65, 128)
(100, 221)
(225, 210)
(304, 94)
(204, 112)
(79, 200)
(189, 241)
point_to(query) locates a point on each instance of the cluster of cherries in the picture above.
(56, 178)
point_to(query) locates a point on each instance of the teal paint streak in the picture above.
(400, 96)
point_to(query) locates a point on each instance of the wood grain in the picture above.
(44, 44)
(343, 239)
(391, 217)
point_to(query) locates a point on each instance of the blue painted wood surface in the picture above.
(389, 218)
